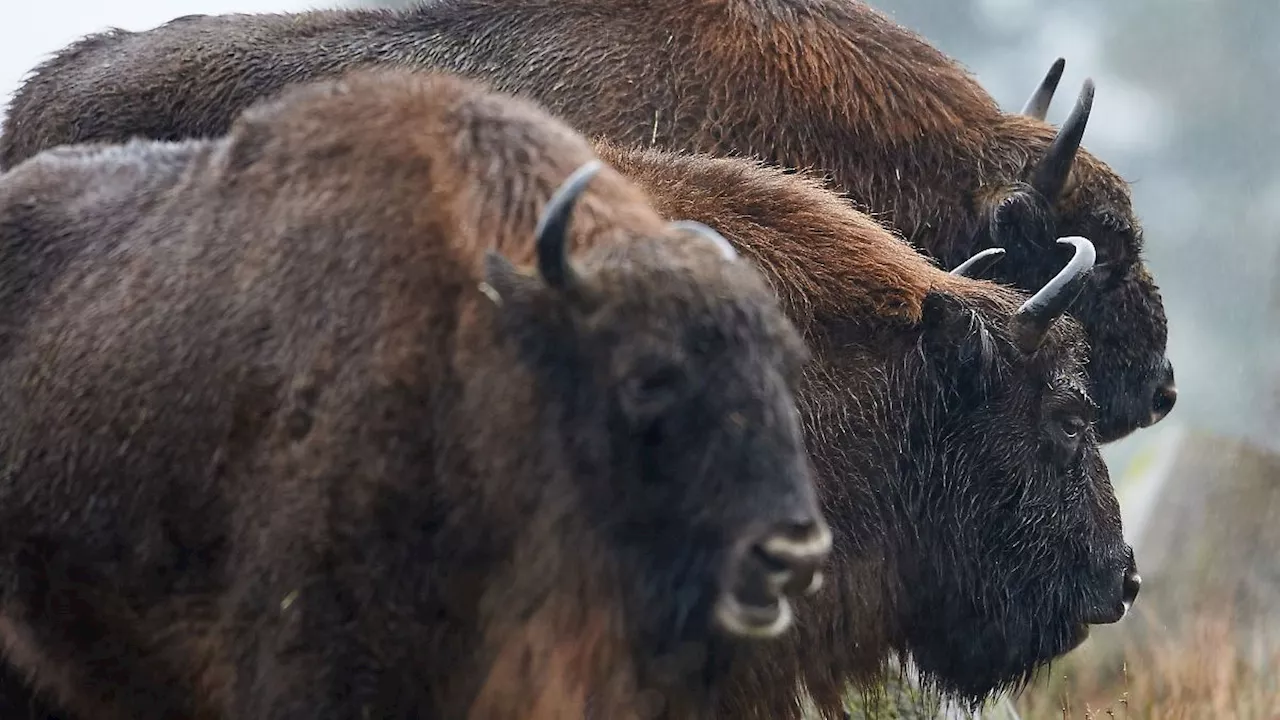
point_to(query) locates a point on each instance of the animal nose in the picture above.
(1118, 593)
(1129, 590)
(786, 560)
(1130, 583)
(798, 547)
(1165, 396)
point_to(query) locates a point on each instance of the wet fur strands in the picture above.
(353, 411)
(827, 85)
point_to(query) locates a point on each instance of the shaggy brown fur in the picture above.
(824, 84)
(972, 533)
(964, 519)
(284, 439)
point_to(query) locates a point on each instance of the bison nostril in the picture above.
(793, 554)
(1163, 401)
(1165, 395)
(804, 541)
(1129, 591)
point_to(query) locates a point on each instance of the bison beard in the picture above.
(254, 464)
(825, 84)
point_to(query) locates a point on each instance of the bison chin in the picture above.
(1125, 409)
(972, 647)
(972, 656)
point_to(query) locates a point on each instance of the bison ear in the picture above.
(953, 332)
(942, 317)
(1021, 222)
(503, 281)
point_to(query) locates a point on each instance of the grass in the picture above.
(1202, 665)
(1205, 667)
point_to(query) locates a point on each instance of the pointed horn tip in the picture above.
(708, 233)
(1056, 69)
(978, 263)
(567, 193)
(584, 172)
(1086, 90)
(1054, 169)
(1084, 106)
(1085, 250)
(1033, 317)
(1037, 106)
(552, 228)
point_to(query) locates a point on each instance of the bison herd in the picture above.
(553, 359)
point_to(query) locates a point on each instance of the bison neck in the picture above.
(846, 634)
(564, 621)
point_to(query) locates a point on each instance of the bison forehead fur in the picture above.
(971, 531)
(292, 432)
(825, 84)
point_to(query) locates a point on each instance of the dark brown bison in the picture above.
(825, 84)
(976, 530)
(288, 434)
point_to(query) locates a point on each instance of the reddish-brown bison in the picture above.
(976, 530)
(287, 434)
(825, 84)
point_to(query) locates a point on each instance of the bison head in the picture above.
(679, 370)
(1064, 191)
(1010, 544)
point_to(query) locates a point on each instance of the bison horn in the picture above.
(707, 233)
(1051, 174)
(978, 264)
(1038, 104)
(1032, 320)
(552, 232)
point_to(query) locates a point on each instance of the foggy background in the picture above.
(1186, 106)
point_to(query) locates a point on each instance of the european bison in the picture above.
(976, 530)
(288, 435)
(825, 84)
(974, 524)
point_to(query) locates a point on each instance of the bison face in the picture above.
(1015, 544)
(683, 370)
(1068, 192)
(1125, 324)
(1122, 314)
(707, 453)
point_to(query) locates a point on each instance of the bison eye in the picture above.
(1073, 427)
(650, 392)
(661, 380)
